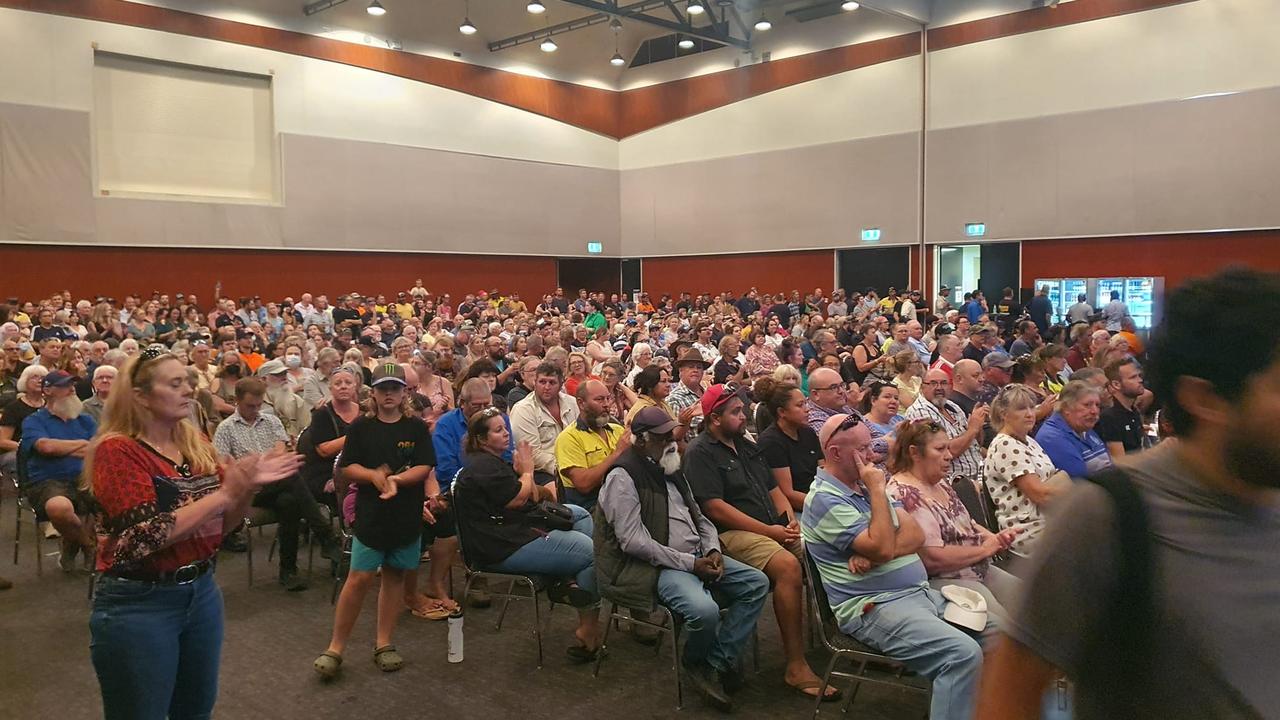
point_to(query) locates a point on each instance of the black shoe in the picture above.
(733, 680)
(707, 681)
(291, 582)
(235, 543)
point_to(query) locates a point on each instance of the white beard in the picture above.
(670, 460)
(68, 408)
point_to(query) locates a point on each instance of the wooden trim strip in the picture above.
(607, 112)
(1035, 19)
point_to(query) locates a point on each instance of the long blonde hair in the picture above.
(124, 416)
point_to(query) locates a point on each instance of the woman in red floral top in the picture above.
(164, 505)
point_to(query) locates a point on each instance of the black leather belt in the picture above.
(184, 575)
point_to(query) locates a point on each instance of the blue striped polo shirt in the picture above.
(833, 516)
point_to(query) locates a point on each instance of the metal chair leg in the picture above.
(248, 543)
(826, 680)
(271, 550)
(39, 545)
(506, 601)
(537, 618)
(17, 528)
(604, 639)
(675, 660)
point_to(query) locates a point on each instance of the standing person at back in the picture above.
(1114, 312)
(1156, 588)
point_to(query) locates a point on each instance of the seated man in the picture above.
(281, 401)
(539, 417)
(653, 545)
(55, 439)
(587, 449)
(247, 431)
(736, 489)
(865, 546)
(828, 396)
(103, 377)
(1067, 437)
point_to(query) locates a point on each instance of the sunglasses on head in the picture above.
(151, 353)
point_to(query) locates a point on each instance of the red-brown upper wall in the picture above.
(768, 272)
(610, 113)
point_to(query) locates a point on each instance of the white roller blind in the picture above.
(163, 129)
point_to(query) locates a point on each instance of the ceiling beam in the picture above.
(634, 11)
(312, 8)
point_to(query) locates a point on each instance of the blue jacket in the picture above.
(1078, 457)
(447, 439)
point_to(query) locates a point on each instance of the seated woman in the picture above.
(880, 406)
(910, 375)
(1019, 475)
(621, 398)
(492, 499)
(957, 550)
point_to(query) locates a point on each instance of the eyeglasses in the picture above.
(937, 383)
(836, 386)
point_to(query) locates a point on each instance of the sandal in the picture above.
(580, 654)
(432, 612)
(328, 664)
(387, 659)
(807, 685)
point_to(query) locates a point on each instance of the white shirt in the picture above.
(1007, 460)
(533, 423)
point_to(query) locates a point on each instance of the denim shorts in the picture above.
(366, 559)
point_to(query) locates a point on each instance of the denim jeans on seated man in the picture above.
(708, 638)
(558, 554)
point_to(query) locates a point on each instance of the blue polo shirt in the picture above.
(43, 425)
(1078, 456)
(447, 438)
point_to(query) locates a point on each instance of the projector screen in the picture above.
(181, 132)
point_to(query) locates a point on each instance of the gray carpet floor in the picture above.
(273, 636)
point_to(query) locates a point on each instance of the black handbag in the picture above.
(549, 515)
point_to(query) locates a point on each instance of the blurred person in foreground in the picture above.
(1157, 583)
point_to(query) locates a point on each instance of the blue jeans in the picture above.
(558, 554)
(156, 648)
(911, 630)
(708, 639)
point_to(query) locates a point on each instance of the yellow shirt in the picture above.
(404, 310)
(580, 448)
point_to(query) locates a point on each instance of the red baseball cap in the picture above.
(717, 395)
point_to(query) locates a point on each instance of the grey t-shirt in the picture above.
(1217, 580)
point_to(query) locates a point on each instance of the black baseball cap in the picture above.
(388, 372)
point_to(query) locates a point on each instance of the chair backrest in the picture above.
(455, 494)
(821, 605)
(975, 498)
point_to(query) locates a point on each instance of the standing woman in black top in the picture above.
(790, 446)
(868, 360)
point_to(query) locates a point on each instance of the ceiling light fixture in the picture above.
(536, 7)
(849, 6)
(763, 24)
(617, 60)
(615, 25)
(375, 9)
(549, 46)
(466, 28)
(696, 7)
(685, 43)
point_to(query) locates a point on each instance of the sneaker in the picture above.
(707, 681)
(67, 558)
(291, 582)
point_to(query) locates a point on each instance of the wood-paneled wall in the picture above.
(767, 272)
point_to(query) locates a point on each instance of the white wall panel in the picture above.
(1182, 51)
(878, 100)
(47, 60)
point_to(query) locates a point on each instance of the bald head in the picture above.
(936, 386)
(966, 376)
(826, 389)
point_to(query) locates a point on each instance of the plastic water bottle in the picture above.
(455, 636)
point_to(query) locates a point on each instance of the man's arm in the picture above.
(59, 448)
(586, 480)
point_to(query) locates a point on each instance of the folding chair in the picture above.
(977, 500)
(844, 647)
(21, 507)
(534, 584)
(669, 625)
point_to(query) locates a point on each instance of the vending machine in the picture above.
(1141, 295)
(1103, 289)
(1072, 289)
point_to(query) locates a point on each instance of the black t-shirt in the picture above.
(482, 491)
(800, 455)
(740, 478)
(1119, 424)
(341, 315)
(13, 415)
(371, 443)
(971, 352)
(326, 425)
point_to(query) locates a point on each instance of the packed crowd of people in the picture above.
(644, 451)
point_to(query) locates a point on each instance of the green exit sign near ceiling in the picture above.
(595, 248)
(870, 234)
(975, 229)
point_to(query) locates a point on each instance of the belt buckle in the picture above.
(186, 574)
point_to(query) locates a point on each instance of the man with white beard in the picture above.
(55, 440)
(654, 546)
(281, 401)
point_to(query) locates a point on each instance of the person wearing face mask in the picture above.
(1178, 625)
(56, 440)
(1068, 437)
(297, 375)
(586, 449)
(654, 545)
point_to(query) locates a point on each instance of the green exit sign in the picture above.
(975, 229)
(595, 248)
(870, 234)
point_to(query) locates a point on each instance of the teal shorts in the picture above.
(366, 559)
